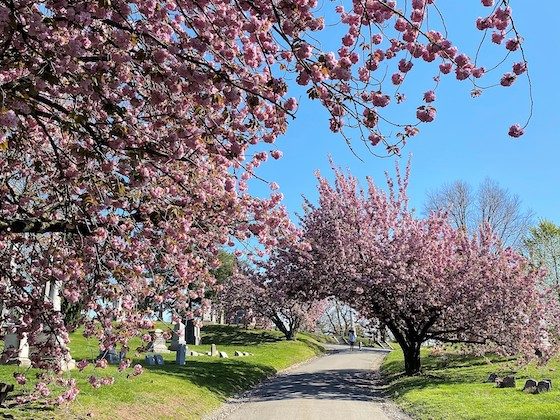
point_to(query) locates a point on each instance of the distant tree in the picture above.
(491, 204)
(543, 246)
(269, 289)
(228, 262)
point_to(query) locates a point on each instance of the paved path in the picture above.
(337, 386)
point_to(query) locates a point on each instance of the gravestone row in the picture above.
(531, 385)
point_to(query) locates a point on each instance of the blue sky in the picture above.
(469, 138)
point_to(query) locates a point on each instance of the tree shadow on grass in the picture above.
(224, 377)
(451, 369)
(313, 345)
(230, 335)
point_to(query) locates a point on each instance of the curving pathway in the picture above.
(340, 385)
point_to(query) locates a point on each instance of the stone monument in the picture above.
(193, 333)
(158, 344)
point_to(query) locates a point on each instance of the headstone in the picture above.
(123, 353)
(507, 382)
(223, 355)
(110, 355)
(65, 360)
(492, 378)
(158, 344)
(194, 353)
(193, 333)
(247, 353)
(181, 356)
(238, 353)
(4, 390)
(20, 347)
(208, 353)
(150, 360)
(178, 336)
(544, 386)
(158, 359)
(213, 350)
(117, 308)
(530, 386)
(54, 295)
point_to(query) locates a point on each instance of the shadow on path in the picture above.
(340, 384)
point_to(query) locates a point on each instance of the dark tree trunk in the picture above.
(289, 333)
(412, 362)
(410, 343)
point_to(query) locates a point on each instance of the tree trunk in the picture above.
(412, 359)
(282, 327)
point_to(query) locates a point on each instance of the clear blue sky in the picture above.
(468, 140)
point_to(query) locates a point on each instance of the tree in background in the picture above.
(491, 204)
(422, 278)
(257, 296)
(543, 245)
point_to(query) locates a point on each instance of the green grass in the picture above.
(452, 387)
(172, 391)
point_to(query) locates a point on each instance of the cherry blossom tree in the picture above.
(126, 130)
(422, 278)
(266, 290)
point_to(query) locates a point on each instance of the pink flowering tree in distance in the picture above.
(422, 278)
(267, 292)
(126, 127)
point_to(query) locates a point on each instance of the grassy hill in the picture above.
(172, 391)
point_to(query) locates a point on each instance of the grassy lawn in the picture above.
(452, 387)
(171, 391)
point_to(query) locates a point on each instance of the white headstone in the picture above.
(158, 343)
(21, 348)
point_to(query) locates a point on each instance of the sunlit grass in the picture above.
(453, 386)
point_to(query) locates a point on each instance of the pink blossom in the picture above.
(426, 113)
(276, 154)
(397, 78)
(138, 370)
(20, 378)
(520, 68)
(375, 138)
(478, 72)
(445, 68)
(429, 96)
(377, 39)
(101, 363)
(516, 130)
(498, 37)
(508, 79)
(42, 389)
(81, 365)
(512, 44)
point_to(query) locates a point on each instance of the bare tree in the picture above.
(490, 203)
(456, 199)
